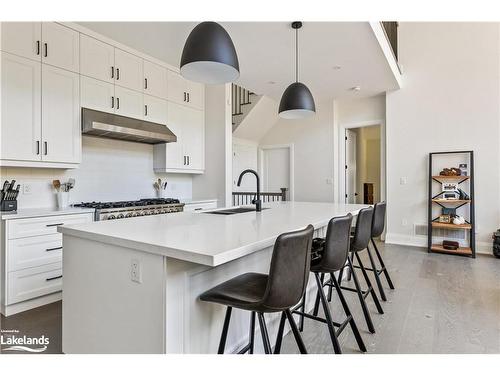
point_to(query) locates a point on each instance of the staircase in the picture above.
(243, 101)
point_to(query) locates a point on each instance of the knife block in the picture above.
(8, 205)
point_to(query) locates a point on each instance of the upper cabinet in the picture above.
(22, 39)
(97, 59)
(182, 91)
(48, 42)
(128, 70)
(60, 46)
(155, 80)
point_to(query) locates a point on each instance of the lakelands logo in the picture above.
(10, 340)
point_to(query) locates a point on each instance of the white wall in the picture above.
(111, 170)
(216, 181)
(449, 101)
(313, 141)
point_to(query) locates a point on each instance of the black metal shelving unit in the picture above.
(470, 225)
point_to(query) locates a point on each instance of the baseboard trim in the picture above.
(421, 241)
(30, 304)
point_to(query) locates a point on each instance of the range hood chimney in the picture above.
(109, 125)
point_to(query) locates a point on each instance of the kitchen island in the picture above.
(132, 285)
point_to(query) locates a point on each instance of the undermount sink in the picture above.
(232, 211)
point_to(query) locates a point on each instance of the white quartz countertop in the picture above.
(210, 239)
(41, 212)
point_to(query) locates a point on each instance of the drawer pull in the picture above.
(54, 225)
(54, 278)
(54, 248)
(198, 209)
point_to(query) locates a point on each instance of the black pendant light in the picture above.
(209, 55)
(297, 101)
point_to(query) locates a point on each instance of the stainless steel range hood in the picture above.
(109, 125)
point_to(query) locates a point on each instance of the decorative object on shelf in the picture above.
(450, 245)
(444, 219)
(209, 55)
(456, 190)
(160, 188)
(62, 192)
(450, 172)
(297, 101)
(463, 169)
(496, 243)
(8, 196)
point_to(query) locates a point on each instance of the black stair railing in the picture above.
(240, 97)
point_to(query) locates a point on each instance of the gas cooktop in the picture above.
(124, 204)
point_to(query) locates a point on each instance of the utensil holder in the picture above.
(160, 193)
(62, 199)
(8, 206)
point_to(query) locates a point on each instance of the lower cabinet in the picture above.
(33, 251)
(200, 206)
(187, 155)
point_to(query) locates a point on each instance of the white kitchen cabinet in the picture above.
(21, 109)
(97, 59)
(128, 70)
(61, 131)
(22, 39)
(187, 155)
(155, 80)
(60, 46)
(200, 206)
(128, 102)
(185, 92)
(155, 109)
(96, 94)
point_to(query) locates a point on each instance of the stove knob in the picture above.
(120, 216)
(157, 212)
(141, 213)
(147, 213)
(111, 217)
(163, 211)
(132, 214)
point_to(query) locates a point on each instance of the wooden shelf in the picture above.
(436, 224)
(451, 177)
(460, 250)
(441, 200)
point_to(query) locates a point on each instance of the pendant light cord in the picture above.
(296, 55)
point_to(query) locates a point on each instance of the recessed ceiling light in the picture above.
(336, 67)
(355, 88)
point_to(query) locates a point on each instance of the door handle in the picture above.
(54, 225)
(188, 97)
(184, 159)
(188, 160)
(38, 47)
(54, 278)
(145, 83)
(117, 74)
(112, 72)
(46, 49)
(46, 147)
(145, 110)
(112, 102)
(38, 147)
(117, 103)
(184, 96)
(54, 248)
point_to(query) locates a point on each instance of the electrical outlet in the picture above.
(27, 189)
(329, 181)
(403, 181)
(135, 271)
(404, 222)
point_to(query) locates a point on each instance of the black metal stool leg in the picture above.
(296, 333)
(330, 290)
(316, 302)
(252, 332)
(303, 309)
(366, 312)
(375, 273)
(222, 343)
(349, 271)
(369, 284)
(265, 335)
(347, 311)
(386, 273)
(326, 309)
(279, 337)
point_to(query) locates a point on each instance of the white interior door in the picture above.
(244, 157)
(276, 169)
(350, 166)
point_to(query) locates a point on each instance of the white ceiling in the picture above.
(266, 54)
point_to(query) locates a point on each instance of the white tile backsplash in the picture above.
(110, 170)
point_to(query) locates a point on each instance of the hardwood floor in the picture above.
(441, 304)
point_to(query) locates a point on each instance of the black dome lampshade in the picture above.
(297, 101)
(209, 55)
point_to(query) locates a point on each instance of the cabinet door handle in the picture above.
(117, 74)
(112, 102)
(184, 96)
(38, 147)
(54, 225)
(188, 97)
(184, 159)
(54, 248)
(117, 103)
(46, 49)
(188, 160)
(38, 47)
(45, 144)
(54, 278)
(145, 110)
(145, 83)
(112, 72)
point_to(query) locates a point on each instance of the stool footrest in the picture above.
(340, 326)
(245, 349)
(365, 293)
(379, 271)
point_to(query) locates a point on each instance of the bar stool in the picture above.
(333, 257)
(359, 242)
(282, 289)
(378, 224)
